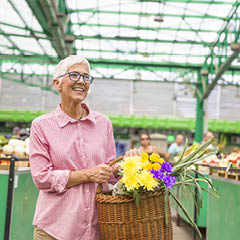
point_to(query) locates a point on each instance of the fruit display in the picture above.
(16, 147)
(233, 157)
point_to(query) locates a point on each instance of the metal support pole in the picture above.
(195, 209)
(199, 112)
(9, 199)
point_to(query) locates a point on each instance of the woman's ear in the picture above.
(57, 84)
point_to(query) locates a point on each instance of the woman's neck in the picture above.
(75, 111)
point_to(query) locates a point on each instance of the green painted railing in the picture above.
(133, 121)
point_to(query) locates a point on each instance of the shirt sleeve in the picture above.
(172, 149)
(42, 169)
(110, 149)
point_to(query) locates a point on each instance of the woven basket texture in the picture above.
(120, 219)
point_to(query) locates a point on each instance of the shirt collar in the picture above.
(63, 119)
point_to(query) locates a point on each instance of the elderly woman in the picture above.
(69, 151)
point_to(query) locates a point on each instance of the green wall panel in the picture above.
(23, 206)
(186, 198)
(223, 219)
(3, 201)
(133, 121)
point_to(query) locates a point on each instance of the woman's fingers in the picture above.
(101, 173)
(133, 153)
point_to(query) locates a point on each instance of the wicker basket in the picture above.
(120, 219)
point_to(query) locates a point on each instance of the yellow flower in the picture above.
(131, 181)
(147, 166)
(144, 156)
(131, 164)
(161, 161)
(156, 166)
(147, 180)
(155, 157)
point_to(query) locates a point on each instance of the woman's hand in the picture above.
(135, 152)
(100, 173)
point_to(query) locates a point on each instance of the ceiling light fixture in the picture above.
(158, 19)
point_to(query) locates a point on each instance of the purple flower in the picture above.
(166, 167)
(169, 180)
(164, 174)
(157, 174)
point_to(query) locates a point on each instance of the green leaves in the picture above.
(186, 213)
(188, 177)
(137, 197)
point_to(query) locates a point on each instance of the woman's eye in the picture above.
(74, 75)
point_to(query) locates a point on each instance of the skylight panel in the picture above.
(8, 15)
(27, 44)
(197, 9)
(13, 30)
(214, 24)
(174, 8)
(47, 47)
(131, 20)
(27, 15)
(219, 10)
(130, 7)
(208, 37)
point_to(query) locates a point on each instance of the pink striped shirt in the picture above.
(58, 145)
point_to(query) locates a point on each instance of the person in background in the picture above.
(175, 147)
(236, 150)
(207, 136)
(70, 149)
(16, 131)
(146, 144)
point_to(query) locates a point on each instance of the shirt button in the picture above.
(87, 191)
(78, 124)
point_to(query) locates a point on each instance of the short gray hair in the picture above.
(66, 63)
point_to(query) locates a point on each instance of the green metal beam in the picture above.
(26, 25)
(55, 29)
(117, 38)
(22, 28)
(160, 28)
(37, 10)
(110, 63)
(116, 63)
(225, 66)
(32, 59)
(138, 39)
(53, 24)
(145, 54)
(11, 41)
(30, 84)
(194, 1)
(148, 14)
(24, 35)
(225, 45)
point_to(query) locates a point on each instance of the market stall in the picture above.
(17, 199)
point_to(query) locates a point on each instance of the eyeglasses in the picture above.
(142, 139)
(75, 77)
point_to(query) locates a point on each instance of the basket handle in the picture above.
(99, 187)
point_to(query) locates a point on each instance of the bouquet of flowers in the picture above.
(151, 173)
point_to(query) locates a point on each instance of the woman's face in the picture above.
(145, 141)
(74, 91)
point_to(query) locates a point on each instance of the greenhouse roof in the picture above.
(142, 39)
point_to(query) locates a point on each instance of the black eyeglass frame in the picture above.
(79, 77)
